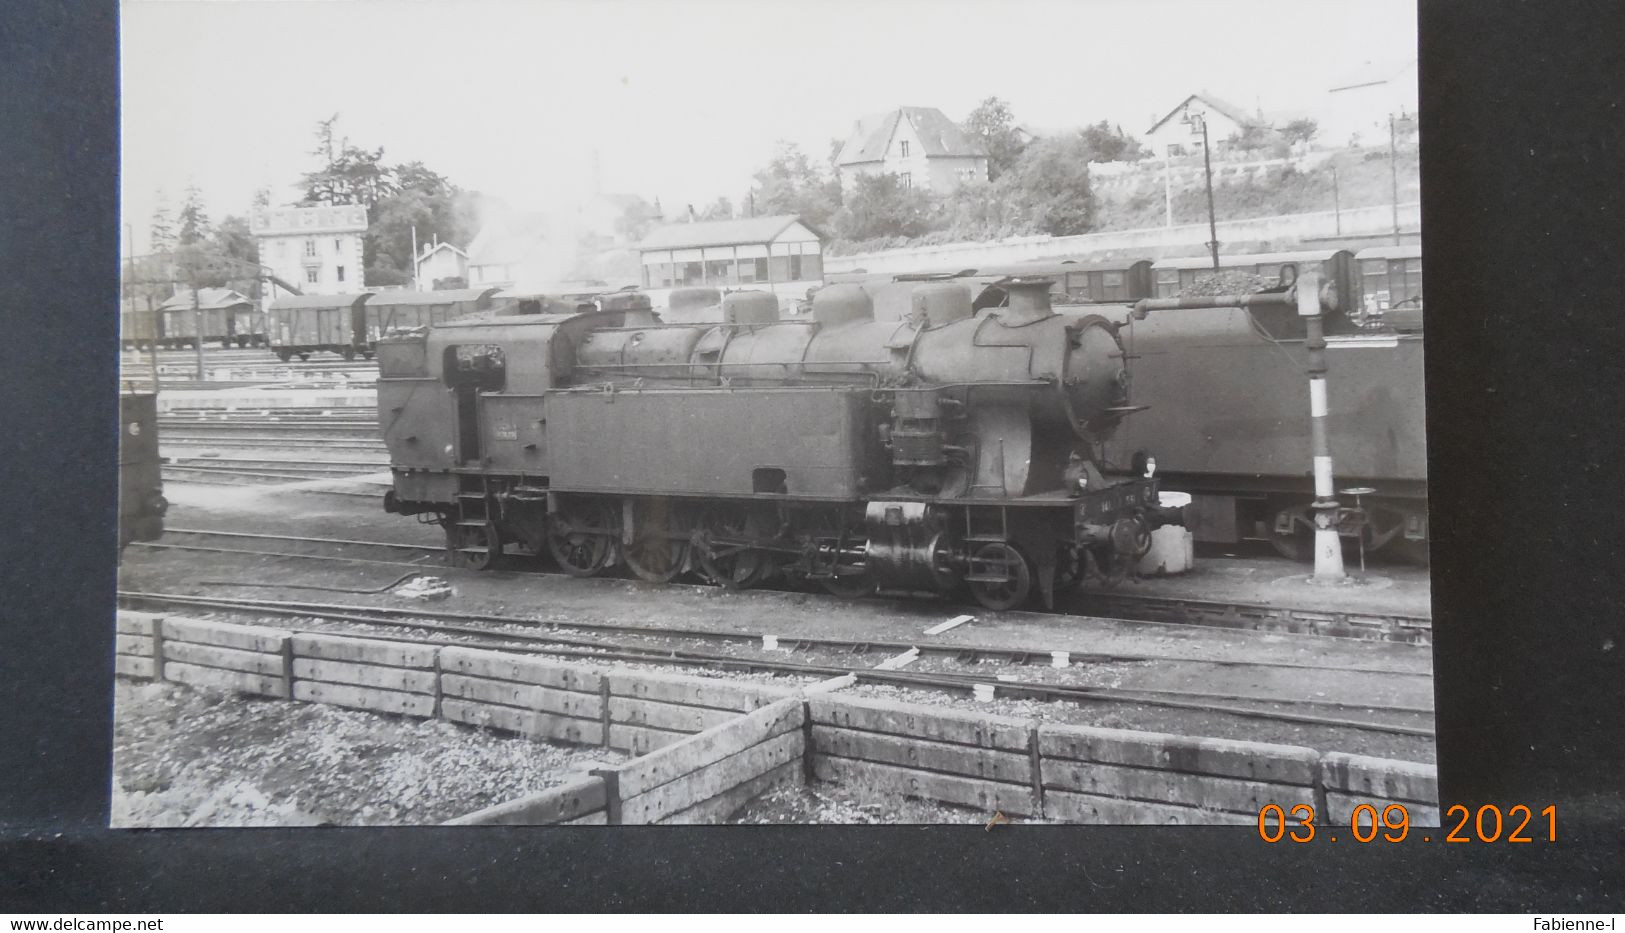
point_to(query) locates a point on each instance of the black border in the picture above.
(1523, 131)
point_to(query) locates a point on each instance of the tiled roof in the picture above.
(209, 299)
(939, 136)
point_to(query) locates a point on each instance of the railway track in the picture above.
(347, 447)
(269, 469)
(447, 628)
(1137, 607)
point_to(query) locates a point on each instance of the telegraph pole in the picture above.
(1393, 173)
(1197, 120)
(152, 346)
(197, 314)
(1167, 188)
(1337, 202)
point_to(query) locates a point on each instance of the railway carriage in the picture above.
(1391, 285)
(953, 448)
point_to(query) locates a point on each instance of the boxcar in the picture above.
(141, 503)
(305, 324)
(1081, 281)
(405, 309)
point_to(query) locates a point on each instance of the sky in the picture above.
(680, 99)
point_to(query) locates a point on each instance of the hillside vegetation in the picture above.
(1362, 180)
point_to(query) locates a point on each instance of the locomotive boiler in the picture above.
(950, 448)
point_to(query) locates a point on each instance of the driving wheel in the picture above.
(723, 553)
(659, 548)
(474, 547)
(1001, 577)
(581, 539)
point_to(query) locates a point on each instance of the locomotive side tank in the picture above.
(1225, 388)
(915, 455)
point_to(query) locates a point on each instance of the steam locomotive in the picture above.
(951, 448)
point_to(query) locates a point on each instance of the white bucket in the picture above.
(1173, 500)
(1173, 550)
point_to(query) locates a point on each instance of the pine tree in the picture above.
(194, 218)
(161, 229)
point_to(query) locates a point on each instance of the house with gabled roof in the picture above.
(1176, 135)
(438, 262)
(919, 145)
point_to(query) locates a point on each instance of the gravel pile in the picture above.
(185, 757)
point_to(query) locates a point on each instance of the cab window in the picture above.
(480, 366)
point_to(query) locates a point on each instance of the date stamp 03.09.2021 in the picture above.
(1392, 824)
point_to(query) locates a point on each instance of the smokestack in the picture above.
(1028, 299)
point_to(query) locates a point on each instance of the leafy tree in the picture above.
(1049, 187)
(1110, 144)
(720, 209)
(262, 197)
(161, 228)
(194, 218)
(1302, 130)
(880, 206)
(449, 216)
(234, 243)
(233, 240)
(636, 219)
(415, 176)
(791, 184)
(994, 125)
(978, 212)
(348, 174)
(1250, 138)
